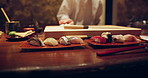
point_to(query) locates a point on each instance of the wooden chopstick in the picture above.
(8, 20)
(119, 50)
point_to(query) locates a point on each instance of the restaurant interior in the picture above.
(18, 59)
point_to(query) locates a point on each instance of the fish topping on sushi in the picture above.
(64, 40)
(98, 39)
(36, 41)
(76, 40)
(51, 42)
(130, 38)
(118, 38)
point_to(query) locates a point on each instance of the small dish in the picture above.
(9, 38)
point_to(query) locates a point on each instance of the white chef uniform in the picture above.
(82, 12)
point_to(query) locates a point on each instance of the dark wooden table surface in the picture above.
(70, 62)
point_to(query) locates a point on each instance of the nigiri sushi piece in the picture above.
(36, 41)
(104, 34)
(51, 42)
(108, 36)
(64, 40)
(118, 38)
(76, 40)
(130, 38)
(98, 39)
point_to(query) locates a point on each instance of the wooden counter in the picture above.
(70, 62)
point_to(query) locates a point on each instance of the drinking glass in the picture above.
(12, 26)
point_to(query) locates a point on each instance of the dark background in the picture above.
(26, 11)
(131, 9)
(45, 11)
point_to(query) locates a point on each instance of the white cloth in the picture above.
(82, 12)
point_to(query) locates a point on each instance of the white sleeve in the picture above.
(64, 10)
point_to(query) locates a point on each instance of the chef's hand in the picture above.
(66, 21)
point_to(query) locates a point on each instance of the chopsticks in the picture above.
(8, 20)
(119, 50)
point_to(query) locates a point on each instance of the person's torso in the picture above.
(86, 12)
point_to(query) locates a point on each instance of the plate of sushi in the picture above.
(50, 43)
(107, 39)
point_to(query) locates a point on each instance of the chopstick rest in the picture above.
(119, 50)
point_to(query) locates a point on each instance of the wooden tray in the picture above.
(112, 44)
(26, 45)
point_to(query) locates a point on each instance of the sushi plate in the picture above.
(112, 44)
(26, 45)
(19, 38)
